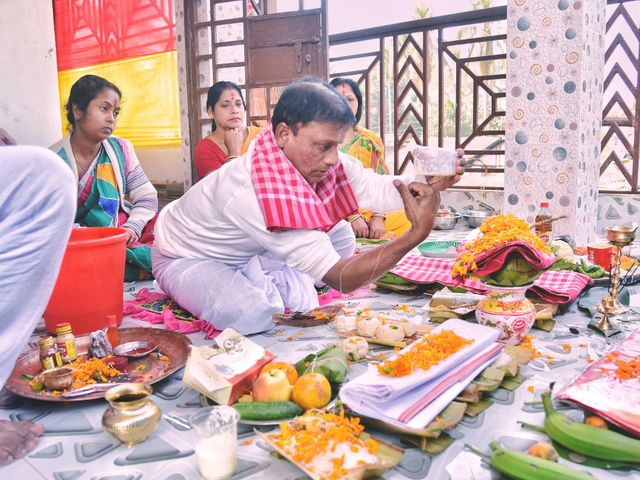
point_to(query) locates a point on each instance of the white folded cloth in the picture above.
(414, 400)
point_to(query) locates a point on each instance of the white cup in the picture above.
(434, 161)
(217, 441)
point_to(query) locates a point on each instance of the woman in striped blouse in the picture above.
(112, 188)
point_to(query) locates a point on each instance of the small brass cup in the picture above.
(57, 378)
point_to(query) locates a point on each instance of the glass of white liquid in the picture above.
(217, 441)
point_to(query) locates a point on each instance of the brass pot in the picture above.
(131, 416)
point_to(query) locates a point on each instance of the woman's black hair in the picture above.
(356, 91)
(311, 99)
(214, 93)
(85, 89)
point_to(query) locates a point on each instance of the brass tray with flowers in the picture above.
(328, 445)
(90, 378)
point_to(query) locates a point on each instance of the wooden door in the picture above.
(281, 48)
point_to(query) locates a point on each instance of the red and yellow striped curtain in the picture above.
(131, 43)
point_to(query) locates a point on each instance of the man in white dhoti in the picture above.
(251, 238)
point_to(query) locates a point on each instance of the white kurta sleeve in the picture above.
(373, 191)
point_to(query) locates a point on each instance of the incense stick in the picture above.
(548, 220)
(630, 273)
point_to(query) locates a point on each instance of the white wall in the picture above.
(162, 165)
(29, 98)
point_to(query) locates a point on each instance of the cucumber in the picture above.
(267, 410)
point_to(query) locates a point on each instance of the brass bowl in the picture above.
(622, 234)
(57, 378)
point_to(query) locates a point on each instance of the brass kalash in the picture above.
(619, 237)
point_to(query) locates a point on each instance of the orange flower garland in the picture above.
(495, 232)
(429, 351)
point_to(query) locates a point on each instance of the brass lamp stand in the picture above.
(619, 236)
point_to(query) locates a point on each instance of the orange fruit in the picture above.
(596, 421)
(311, 390)
(286, 367)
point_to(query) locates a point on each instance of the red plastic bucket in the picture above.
(90, 283)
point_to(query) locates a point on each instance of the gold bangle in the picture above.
(353, 218)
(379, 215)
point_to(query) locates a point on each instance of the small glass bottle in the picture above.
(66, 342)
(49, 354)
(542, 222)
(113, 334)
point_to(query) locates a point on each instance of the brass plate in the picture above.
(172, 344)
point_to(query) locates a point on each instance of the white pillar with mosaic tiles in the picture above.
(555, 64)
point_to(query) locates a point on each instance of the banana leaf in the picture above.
(544, 325)
(490, 379)
(330, 362)
(432, 446)
(512, 383)
(448, 418)
(393, 279)
(471, 394)
(475, 409)
(515, 271)
(520, 355)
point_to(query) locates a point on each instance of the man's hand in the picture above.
(360, 228)
(421, 203)
(376, 227)
(233, 139)
(5, 138)
(442, 183)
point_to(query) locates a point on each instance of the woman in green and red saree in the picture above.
(112, 188)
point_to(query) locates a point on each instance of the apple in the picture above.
(272, 386)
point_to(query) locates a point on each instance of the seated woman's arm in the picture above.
(142, 194)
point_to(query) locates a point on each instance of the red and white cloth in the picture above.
(554, 286)
(419, 269)
(493, 260)
(287, 200)
(560, 286)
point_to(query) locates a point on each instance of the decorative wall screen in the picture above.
(131, 43)
(442, 81)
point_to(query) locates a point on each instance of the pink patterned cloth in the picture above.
(493, 260)
(287, 200)
(560, 286)
(133, 309)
